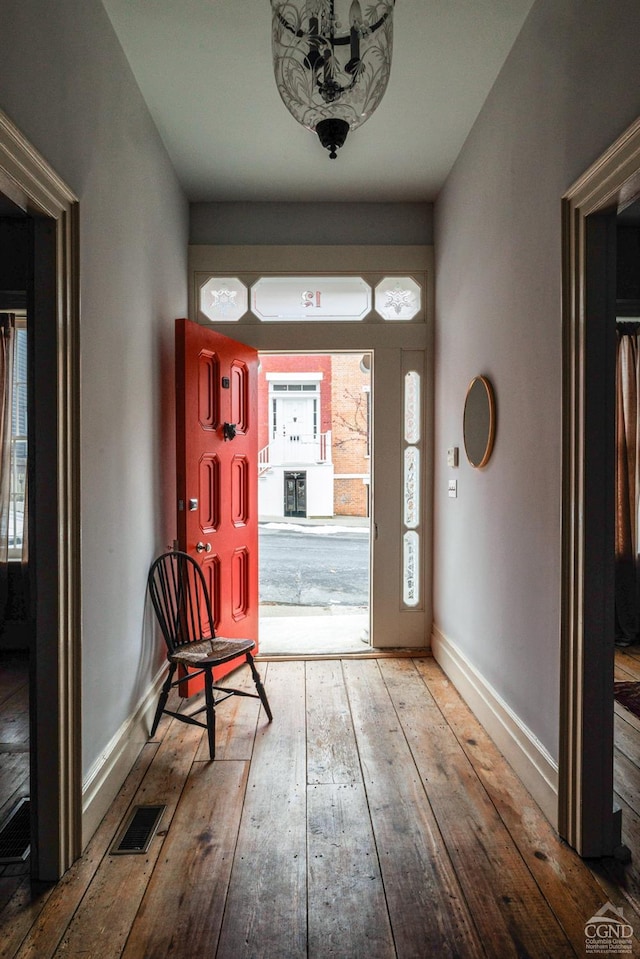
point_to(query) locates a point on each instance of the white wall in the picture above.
(570, 86)
(326, 224)
(66, 84)
(319, 490)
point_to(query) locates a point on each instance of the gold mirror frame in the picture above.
(479, 421)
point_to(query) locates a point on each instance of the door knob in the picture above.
(203, 547)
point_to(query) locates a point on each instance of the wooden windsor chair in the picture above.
(182, 604)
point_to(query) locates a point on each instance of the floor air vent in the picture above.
(138, 831)
(15, 834)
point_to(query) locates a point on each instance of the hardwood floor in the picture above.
(372, 819)
(627, 771)
(14, 741)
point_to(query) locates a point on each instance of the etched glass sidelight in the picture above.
(412, 407)
(411, 543)
(411, 487)
(411, 568)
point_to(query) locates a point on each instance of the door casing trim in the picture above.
(27, 178)
(585, 766)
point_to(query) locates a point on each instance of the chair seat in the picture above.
(211, 652)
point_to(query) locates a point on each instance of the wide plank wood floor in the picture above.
(14, 744)
(373, 819)
(627, 772)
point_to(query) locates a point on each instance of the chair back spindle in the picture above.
(180, 599)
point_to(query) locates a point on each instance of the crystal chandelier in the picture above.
(331, 63)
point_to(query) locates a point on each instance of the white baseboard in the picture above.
(522, 750)
(112, 766)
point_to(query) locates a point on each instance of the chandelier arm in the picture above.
(334, 41)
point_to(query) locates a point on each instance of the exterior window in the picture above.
(18, 480)
(367, 397)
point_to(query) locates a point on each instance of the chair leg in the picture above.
(211, 712)
(164, 695)
(259, 687)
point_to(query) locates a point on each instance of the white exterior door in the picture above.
(295, 436)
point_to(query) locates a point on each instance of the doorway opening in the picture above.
(314, 502)
(295, 493)
(585, 815)
(51, 210)
(626, 739)
(16, 616)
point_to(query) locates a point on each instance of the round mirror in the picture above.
(479, 421)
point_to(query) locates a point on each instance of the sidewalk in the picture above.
(313, 630)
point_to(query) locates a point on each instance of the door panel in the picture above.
(216, 471)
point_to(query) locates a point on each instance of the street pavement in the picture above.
(314, 586)
(314, 564)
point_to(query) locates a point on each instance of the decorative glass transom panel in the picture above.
(397, 298)
(223, 299)
(412, 407)
(311, 298)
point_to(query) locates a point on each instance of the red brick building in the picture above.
(350, 417)
(314, 412)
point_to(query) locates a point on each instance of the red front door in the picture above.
(217, 472)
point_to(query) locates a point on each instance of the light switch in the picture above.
(453, 489)
(452, 456)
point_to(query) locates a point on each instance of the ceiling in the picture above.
(204, 68)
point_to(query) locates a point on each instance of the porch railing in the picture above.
(297, 448)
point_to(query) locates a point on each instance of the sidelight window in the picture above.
(412, 482)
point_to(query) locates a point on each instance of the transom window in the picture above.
(311, 298)
(294, 387)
